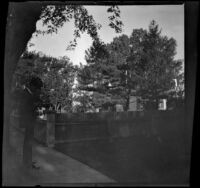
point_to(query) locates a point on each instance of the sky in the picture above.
(170, 19)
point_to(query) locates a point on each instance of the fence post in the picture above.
(50, 139)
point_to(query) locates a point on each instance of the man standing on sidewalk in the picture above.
(30, 101)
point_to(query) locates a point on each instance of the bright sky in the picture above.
(169, 17)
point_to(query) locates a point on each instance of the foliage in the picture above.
(142, 64)
(94, 77)
(160, 69)
(57, 75)
(83, 102)
(54, 17)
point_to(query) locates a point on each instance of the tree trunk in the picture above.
(127, 100)
(21, 24)
(157, 104)
(127, 103)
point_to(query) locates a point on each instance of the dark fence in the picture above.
(40, 131)
(164, 125)
(80, 126)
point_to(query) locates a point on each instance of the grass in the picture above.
(136, 160)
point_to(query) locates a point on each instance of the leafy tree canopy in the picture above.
(57, 75)
(53, 17)
(142, 64)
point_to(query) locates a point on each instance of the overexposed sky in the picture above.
(169, 17)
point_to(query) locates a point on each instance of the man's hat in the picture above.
(36, 81)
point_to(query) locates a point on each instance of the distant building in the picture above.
(162, 104)
(133, 103)
(97, 110)
(119, 108)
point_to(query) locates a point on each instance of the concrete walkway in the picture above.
(55, 167)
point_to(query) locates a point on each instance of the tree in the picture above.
(111, 69)
(59, 82)
(121, 51)
(95, 77)
(142, 64)
(158, 64)
(57, 75)
(83, 102)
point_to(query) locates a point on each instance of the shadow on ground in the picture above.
(132, 160)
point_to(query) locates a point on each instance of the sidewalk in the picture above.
(55, 167)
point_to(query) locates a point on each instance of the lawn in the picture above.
(137, 160)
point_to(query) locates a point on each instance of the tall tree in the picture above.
(121, 52)
(109, 70)
(57, 75)
(94, 76)
(159, 66)
(98, 75)
(142, 64)
(59, 82)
